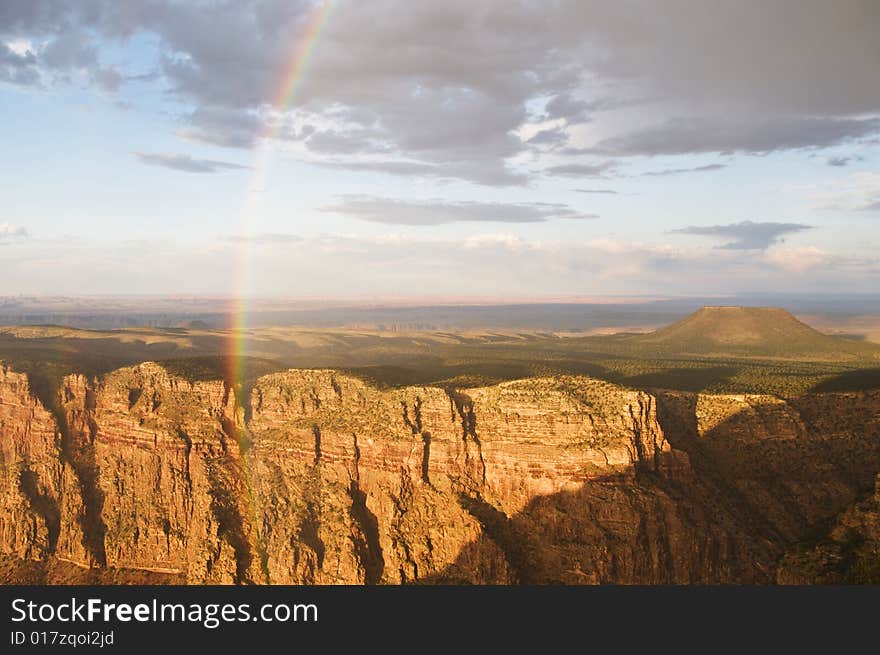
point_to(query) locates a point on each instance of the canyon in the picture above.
(313, 476)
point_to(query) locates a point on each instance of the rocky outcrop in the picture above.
(363, 485)
(848, 553)
(139, 469)
(320, 478)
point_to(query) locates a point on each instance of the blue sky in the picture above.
(445, 149)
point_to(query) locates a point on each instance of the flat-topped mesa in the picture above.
(769, 332)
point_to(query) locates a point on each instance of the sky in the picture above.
(299, 149)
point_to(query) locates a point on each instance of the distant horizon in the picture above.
(855, 314)
(446, 299)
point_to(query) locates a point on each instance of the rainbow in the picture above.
(291, 79)
(299, 59)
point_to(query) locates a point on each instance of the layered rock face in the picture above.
(319, 478)
(107, 471)
(360, 485)
(32, 471)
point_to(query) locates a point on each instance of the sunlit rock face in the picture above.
(317, 477)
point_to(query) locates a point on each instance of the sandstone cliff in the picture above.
(318, 477)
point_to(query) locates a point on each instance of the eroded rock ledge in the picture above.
(330, 480)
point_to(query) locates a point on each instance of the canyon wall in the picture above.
(319, 478)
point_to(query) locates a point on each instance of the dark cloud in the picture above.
(390, 167)
(677, 171)
(23, 16)
(845, 161)
(229, 128)
(569, 108)
(185, 162)
(839, 161)
(344, 143)
(580, 170)
(788, 57)
(439, 212)
(18, 68)
(70, 50)
(554, 136)
(422, 100)
(746, 235)
(74, 53)
(456, 87)
(489, 176)
(700, 135)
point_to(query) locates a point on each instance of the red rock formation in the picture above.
(322, 478)
(31, 472)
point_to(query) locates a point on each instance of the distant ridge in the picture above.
(769, 332)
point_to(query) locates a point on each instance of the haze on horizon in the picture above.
(388, 149)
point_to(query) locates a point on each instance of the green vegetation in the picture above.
(754, 350)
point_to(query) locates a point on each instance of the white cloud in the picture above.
(492, 264)
(21, 47)
(796, 260)
(510, 242)
(9, 232)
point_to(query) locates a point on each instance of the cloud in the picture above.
(579, 170)
(74, 54)
(495, 265)
(681, 136)
(439, 212)
(344, 142)
(478, 174)
(839, 161)
(600, 191)
(390, 167)
(461, 82)
(509, 242)
(229, 128)
(797, 260)
(746, 235)
(265, 238)
(11, 232)
(554, 136)
(572, 110)
(185, 162)
(18, 66)
(677, 171)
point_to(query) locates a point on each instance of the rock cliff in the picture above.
(317, 477)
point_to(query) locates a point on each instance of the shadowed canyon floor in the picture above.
(165, 472)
